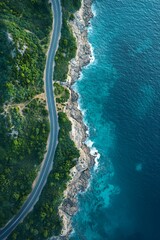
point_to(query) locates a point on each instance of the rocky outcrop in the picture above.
(80, 173)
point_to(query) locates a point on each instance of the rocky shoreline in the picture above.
(80, 173)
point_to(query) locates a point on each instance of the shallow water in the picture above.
(120, 96)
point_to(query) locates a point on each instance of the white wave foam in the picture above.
(83, 111)
(96, 165)
(87, 132)
(94, 10)
(92, 57)
(93, 60)
(89, 143)
(90, 29)
(94, 152)
(80, 76)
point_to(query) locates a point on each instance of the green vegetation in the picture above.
(67, 46)
(24, 35)
(24, 32)
(44, 221)
(61, 93)
(70, 6)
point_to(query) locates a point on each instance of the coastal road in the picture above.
(54, 127)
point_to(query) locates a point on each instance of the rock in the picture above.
(80, 173)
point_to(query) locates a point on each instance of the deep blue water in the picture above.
(120, 93)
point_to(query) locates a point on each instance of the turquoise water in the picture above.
(120, 98)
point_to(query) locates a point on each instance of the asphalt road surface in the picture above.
(54, 127)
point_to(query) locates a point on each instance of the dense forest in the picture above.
(44, 221)
(24, 126)
(67, 46)
(24, 50)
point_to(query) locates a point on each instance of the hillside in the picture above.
(24, 35)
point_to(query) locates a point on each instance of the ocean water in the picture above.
(120, 98)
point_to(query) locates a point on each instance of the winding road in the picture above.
(54, 127)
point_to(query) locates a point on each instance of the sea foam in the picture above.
(94, 152)
(90, 144)
(94, 11)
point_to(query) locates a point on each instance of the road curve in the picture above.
(53, 137)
